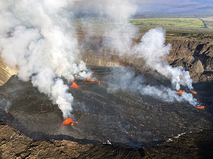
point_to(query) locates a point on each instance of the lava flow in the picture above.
(92, 80)
(200, 107)
(74, 85)
(180, 92)
(69, 121)
(194, 92)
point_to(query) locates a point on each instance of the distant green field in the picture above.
(173, 22)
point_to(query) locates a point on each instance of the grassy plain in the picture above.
(170, 22)
(176, 28)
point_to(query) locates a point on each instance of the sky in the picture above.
(195, 7)
(176, 6)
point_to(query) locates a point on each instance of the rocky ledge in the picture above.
(196, 56)
(13, 144)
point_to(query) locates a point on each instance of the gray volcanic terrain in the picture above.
(126, 118)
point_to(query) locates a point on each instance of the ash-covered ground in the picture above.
(123, 117)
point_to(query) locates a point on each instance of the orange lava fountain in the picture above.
(67, 121)
(180, 92)
(74, 85)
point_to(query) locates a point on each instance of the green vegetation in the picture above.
(170, 22)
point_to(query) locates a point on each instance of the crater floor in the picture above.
(123, 117)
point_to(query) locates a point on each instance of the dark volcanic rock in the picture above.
(197, 68)
(194, 56)
(13, 144)
(193, 145)
(124, 117)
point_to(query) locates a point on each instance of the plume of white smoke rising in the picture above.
(36, 36)
(118, 32)
(121, 32)
(136, 84)
(118, 36)
(153, 50)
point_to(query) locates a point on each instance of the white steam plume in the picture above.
(118, 32)
(118, 36)
(121, 31)
(153, 50)
(133, 84)
(36, 36)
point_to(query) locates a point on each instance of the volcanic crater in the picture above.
(124, 117)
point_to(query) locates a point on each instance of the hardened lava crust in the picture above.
(123, 117)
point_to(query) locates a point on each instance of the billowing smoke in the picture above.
(153, 50)
(38, 38)
(118, 34)
(137, 84)
(121, 31)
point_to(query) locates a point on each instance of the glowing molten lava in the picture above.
(91, 72)
(200, 107)
(194, 92)
(92, 80)
(67, 121)
(7, 112)
(74, 85)
(180, 92)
